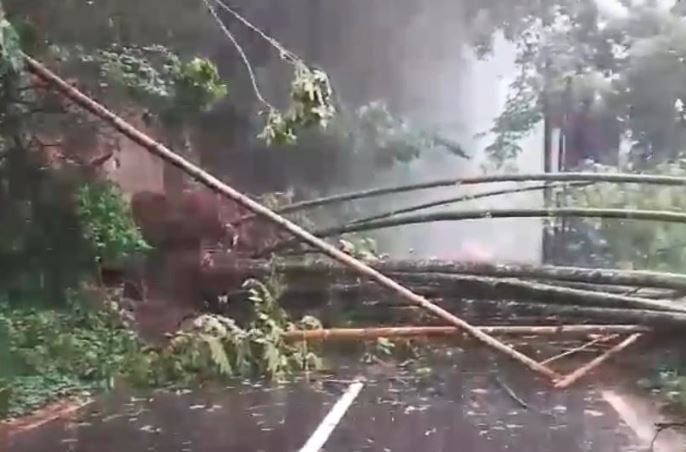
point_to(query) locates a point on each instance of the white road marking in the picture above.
(329, 423)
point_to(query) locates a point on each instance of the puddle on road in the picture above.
(457, 405)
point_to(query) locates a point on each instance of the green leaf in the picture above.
(218, 354)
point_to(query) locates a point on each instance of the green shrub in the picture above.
(108, 223)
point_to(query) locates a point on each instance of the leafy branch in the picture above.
(108, 223)
(157, 77)
(216, 347)
(311, 95)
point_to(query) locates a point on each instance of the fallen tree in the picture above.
(465, 198)
(666, 322)
(632, 278)
(634, 291)
(436, 203)
(488, 179)
(559, 212)
(158, 149)
(510, 288)
(437, 285)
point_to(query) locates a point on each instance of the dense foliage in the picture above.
(57, 353)
(156, 78)
(214, 347)
(108, 225)
(87, 347)
(627, 243)
(624, 66)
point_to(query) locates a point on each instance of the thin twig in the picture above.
(241, 52)
(511, 392)
(287, 54)
(513, 395)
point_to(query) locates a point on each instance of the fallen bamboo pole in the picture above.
(601, 276)
(667, 322)
(445, 201)
(515, 288)
(578, 349)
(558, 212)
(479, 287)
(474, 288)
(457, 182)
(484, 287)
(629, 291)
(579, 373)
(225, 190)
(465, 198)
(355, 334)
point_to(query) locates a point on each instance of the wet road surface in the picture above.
(454, 406)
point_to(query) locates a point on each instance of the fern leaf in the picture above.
(218, 354)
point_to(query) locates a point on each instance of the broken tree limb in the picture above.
(579, 373)
(356, 334)
(457, 182)
(158, 149)
(580, 348)
(635, 278)
(557, 212)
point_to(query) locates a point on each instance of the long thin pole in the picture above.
(579, 348)
(225, 190)
(477, 214)
(357, 334)
(614, 178)
(463, 198)
(573, 377)
(602, 276)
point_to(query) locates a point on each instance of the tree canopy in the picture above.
(626, 64)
